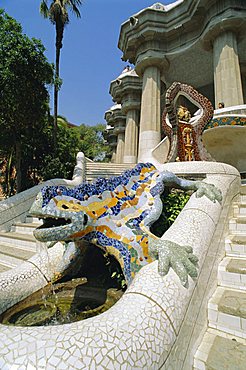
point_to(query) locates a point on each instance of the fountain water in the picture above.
(73, 297)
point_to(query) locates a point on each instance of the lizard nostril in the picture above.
(85, 220)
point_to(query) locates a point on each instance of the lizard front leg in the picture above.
(203, 188)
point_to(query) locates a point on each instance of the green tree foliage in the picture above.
(71, 140)
(92, 141)
(57, 12)
(173, 202)
(26, 128)
(24, 75)
(68, 145)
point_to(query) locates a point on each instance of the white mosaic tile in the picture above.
(195, 237)
(166, 291)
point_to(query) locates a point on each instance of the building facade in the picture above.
(198, 42)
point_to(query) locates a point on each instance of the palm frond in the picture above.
(74, 6)
(76, 11)
(44, 10)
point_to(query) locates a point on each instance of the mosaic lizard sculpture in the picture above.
(115, 214)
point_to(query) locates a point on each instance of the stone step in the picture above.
(31, 219)
(18, 239)
(220, 351)
(235, 245)
(13, 251)
(242, 203)
(24, 228)
(243, 189)
(232, 273)
(97, 169)
(4, 268)
(237, 225)
(9, 261)
(109, 165)
(12, 256)
(239, 209)
(227, 311)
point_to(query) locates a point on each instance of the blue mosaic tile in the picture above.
(226, 121)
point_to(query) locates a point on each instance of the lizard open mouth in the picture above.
(59, 228)
(53, 229)
(53, 222)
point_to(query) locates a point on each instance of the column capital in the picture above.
(114, 113)
(151, 58)
(214, 30)
(127, 90)
(115, 119)
(127, 83)
(132, 103)
(111, 137)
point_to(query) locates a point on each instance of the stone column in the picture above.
(113, 158)
(150, 125)
(126, 90)
(131, 136)
(119, 131)
(115, 132)
(227, 76)
(120, 148)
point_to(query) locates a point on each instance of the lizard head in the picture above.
(62, 215)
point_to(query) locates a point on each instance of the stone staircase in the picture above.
(100, 169)
(18, 244)
(224, 343)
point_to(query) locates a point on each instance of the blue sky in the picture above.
(90, 58)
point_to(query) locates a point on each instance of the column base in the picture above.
(130, 159)
(148, 140)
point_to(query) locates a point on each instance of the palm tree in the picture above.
(57, 12)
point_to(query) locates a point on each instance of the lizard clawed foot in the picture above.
(210, 191)
(180, 258)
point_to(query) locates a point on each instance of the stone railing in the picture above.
(157, 323)
(17, 207)
(233, 110)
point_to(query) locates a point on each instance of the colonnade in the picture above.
(126, 91)
(137, 93)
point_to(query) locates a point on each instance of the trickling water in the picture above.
(45, 267)
(44, 261)
(74, 300)
(88, 287)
